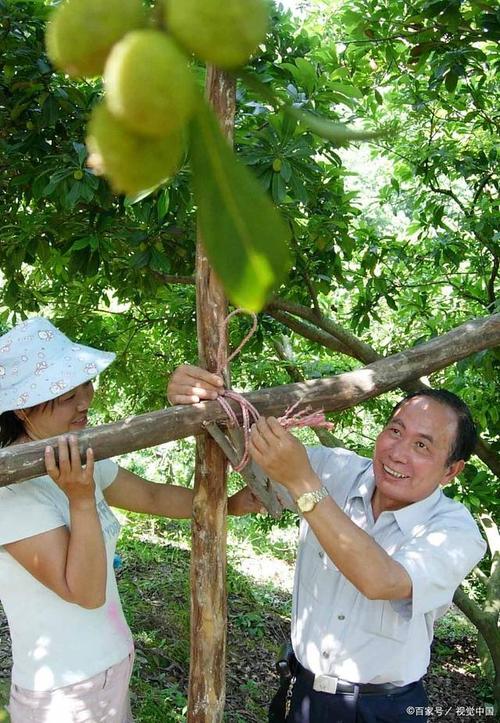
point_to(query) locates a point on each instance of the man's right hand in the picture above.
(189, 385)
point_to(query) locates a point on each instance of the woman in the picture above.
(72, 648)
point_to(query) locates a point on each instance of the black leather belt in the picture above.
(344, 686)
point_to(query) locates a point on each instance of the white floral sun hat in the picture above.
(38, 363)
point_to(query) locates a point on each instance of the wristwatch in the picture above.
(308, 501)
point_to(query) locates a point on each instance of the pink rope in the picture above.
(305, 418)
(223, 338)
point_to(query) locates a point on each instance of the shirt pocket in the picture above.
(318, 574)
(378, 617)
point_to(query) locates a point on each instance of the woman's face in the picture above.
(67, 413)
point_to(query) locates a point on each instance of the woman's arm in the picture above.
(71, 563)
(130, 492)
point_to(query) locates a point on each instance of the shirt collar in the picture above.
(418, 512)
(407, 517)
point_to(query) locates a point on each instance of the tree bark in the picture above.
(336, 393)
(486, 624)
(488, 455)
(207, 683)
(354, 346)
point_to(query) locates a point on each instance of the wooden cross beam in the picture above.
(342, 391)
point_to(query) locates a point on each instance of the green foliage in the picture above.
(4, 698)
(453, 626)
(397, 243)
(396, 255)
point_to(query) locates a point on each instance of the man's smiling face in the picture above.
(411, 453)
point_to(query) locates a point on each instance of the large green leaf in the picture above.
(244, 236)
(330, 130)
(338, 133)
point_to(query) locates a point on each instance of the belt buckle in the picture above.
(325, 684)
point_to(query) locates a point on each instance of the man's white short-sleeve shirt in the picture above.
(56, 643)
(338, 631)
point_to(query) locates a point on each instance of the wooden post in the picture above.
(207, 681)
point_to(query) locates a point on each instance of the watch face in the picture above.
(306, 502)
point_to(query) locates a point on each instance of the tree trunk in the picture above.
(207, 684)
(336, 393)
(486, 623)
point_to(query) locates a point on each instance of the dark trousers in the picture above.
(310, 706)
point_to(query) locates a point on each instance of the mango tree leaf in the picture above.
(346, 89)
(450, 81)
(331, 130)
(163, 204)
(132, 200)
(308, 76)
(243, 234)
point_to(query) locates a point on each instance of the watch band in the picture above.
(308, 501)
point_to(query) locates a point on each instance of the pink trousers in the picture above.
(104, 698)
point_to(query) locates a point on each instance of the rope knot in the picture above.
(290, 419)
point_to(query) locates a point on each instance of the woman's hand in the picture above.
(81, 571)
(189, 385)
(282, 457)
(244, 502)
(76, 481)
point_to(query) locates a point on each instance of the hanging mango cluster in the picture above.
(137, 134)
(152, 110)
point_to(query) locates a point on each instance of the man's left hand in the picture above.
(282, 457)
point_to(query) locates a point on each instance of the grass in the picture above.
(154, 586)
(4, 697)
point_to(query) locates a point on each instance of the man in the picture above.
(381, 552)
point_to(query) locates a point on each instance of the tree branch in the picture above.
(305, 273)
(480, 188)
(491, 532)
(285, 353)
(488, 455)
(491, 282)
(24, 461)
(483, 621)
(479, 575)
(309, 332)
(169, 279)
(450, 194)
(353, 347)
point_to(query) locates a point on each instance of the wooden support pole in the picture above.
(207, 673)
(342, 391)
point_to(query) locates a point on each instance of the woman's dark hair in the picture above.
(11, 427)
(466, 436)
